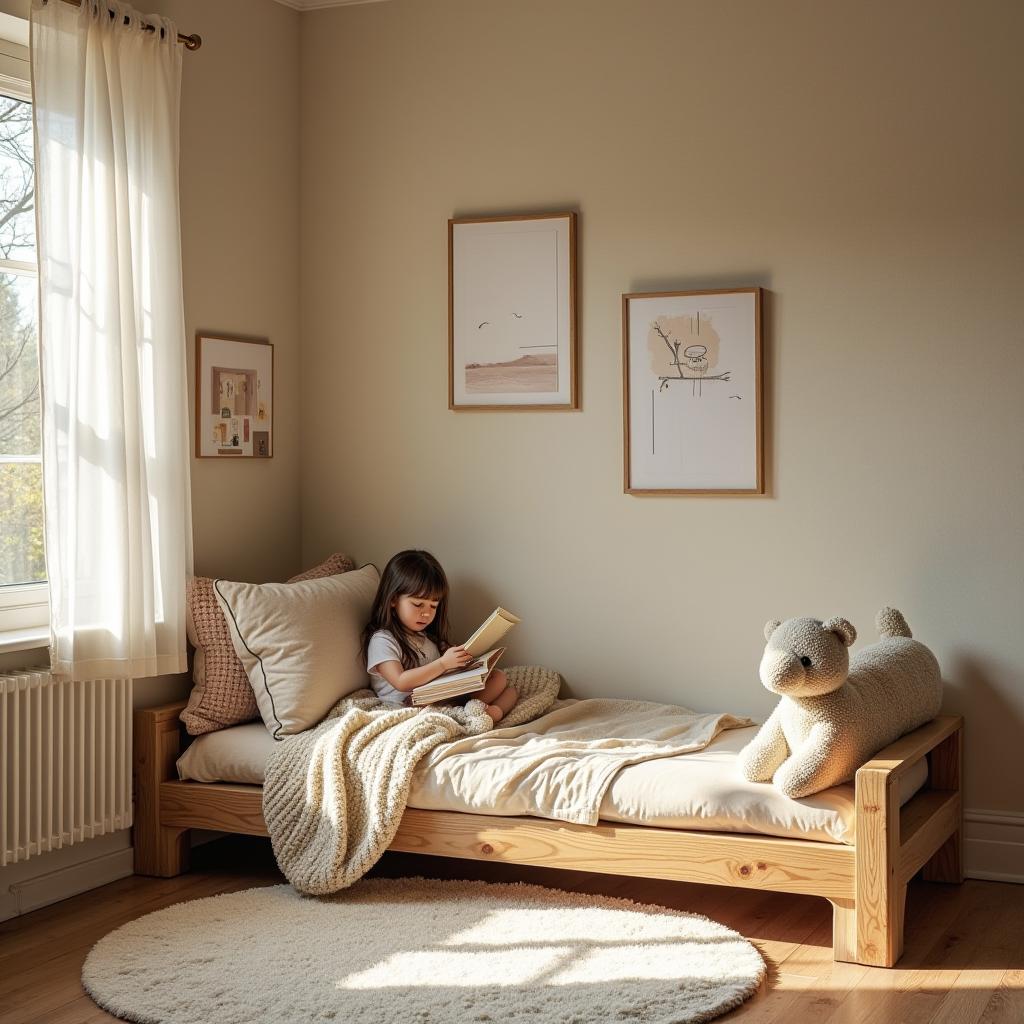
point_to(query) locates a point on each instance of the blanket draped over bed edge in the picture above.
(334, 796)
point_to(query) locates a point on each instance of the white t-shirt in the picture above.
(384, 647)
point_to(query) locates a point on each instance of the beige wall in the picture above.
(862, 161)
(240, 255)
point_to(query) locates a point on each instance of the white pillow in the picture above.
(300, 643)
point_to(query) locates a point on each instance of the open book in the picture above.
(458, 681)
(494, 627)
(473, 677)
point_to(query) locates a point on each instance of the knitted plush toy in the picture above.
(835, 714)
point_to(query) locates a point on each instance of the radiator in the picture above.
(66, 759)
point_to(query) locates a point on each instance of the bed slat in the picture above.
(715, 858)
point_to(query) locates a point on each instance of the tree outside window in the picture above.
(21, 488)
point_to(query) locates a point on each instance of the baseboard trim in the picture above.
(994, 845)
(993, 876)
(38, 891)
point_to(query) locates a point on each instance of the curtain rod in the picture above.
(192, 42)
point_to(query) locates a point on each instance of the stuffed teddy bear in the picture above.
(836, 713)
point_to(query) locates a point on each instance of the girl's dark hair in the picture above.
(415, 574)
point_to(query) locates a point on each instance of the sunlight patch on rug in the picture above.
(409, 950)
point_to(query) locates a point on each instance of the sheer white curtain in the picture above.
(112, 339)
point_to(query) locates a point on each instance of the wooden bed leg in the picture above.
(945, 769)
(881, 896)
(164, 854)
(844, 931)
(159, 850)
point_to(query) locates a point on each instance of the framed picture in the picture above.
(692, 402)
(512, 337)
(234, 397)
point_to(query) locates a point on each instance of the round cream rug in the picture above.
(421, 951)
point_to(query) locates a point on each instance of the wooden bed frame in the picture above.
(866, 883)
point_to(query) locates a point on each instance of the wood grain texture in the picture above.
(224, 807)
(905, 752)
(880, 894)
(926, 828)
(945, 772)
(844, 930)
(756, 862)
(159, 850)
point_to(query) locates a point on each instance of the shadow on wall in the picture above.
(474, 600)
(991, 719)
(470, 602)
(147, 693)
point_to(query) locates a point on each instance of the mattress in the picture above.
(702, 790)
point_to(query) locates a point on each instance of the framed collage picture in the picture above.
(234, 397)
(512, 334)
(692, 392)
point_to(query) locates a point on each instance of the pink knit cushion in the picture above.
(221, 694)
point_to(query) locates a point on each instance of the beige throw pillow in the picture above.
(221, 695)
(300, 643)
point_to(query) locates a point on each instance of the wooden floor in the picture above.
(964, 960)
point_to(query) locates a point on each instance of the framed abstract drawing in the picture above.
(512, 333)
(692, 392)
(234, 397)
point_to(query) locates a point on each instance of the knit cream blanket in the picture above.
(334, 796)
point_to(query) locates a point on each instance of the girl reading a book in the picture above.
(406, 640)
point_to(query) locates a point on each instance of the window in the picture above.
(23, 596)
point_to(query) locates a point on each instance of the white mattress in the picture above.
(702, 790)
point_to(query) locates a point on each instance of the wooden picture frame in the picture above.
(512, 313)
(234, 397)
(693, 403)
